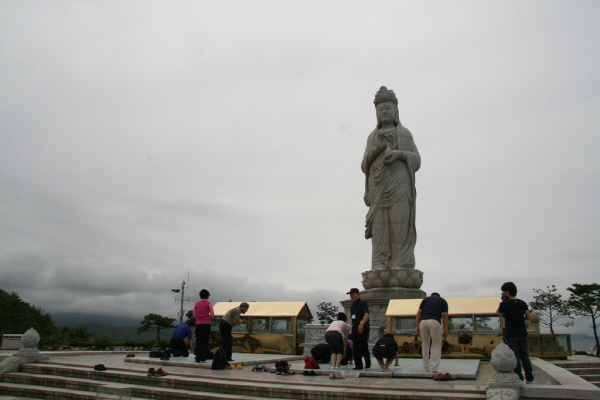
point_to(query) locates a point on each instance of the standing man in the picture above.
(180, 334)
(360, 329)
(231, 318)
(429, 326)
(515, 312)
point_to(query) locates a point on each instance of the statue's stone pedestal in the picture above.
(378, 300)
(30, 355)
(313, 335)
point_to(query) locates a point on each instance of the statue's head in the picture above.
(386, 103)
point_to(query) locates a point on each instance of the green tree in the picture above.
(17, 316)
(327, 312)
(551, 307)
(154, 323)
(584, 302)
(189, 317)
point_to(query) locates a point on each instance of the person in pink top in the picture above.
(204, 314)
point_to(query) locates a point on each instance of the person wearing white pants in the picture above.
(432, 311)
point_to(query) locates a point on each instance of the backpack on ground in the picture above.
(220, 360)
(158, 352)
(311, 363)
(282, 367)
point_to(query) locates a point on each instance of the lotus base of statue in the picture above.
(392, 277)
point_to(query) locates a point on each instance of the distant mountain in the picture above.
(119, 328)
(75, 320)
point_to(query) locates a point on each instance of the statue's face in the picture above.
(386, 112)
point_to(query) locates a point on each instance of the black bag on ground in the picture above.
(158, 352)
(282, 367)
(220, 360)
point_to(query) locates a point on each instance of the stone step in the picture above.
(61, 393)
(584, 371)
(80, 383)
(578, 364)
(157, 387)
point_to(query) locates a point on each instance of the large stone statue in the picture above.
(390, 161)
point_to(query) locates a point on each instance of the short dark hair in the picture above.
(388, 335)
(509, 287)
(342, 317)
(204, 294)
(435, 294)
(192, 322)
(244, 305)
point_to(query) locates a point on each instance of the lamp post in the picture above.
(182, 291)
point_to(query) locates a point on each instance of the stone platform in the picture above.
(72, 376)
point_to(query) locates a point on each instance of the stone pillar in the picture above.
(29, 352)
(378, 300)
(313, 335)
(533, 325)
(504, 384)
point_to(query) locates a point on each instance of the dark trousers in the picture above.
(361, 349)
(178, 347)
(202, 332)
(519, 346)
(226, 338)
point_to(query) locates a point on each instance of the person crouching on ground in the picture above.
(337, 338)
(387, 348)
(180, 334)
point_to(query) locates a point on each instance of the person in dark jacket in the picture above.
(387, 348)
(515, 313)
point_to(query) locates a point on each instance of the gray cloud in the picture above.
(140, 141)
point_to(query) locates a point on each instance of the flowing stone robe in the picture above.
(390, 195)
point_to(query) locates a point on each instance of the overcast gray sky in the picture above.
(141, 140)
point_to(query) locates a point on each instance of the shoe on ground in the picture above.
(151, 372)
(239, 366)
(357, 368)
(160, 372)
(130, 355)
(100, 367)
(312, 373)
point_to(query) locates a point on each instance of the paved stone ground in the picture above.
(480, 370)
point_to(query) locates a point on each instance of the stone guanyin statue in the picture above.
(390, 162)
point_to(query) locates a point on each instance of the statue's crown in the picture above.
(385, 95)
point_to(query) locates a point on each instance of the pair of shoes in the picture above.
(309, 373)
(99, 367)
(337, 375)
(160, 372)
(443, 377)
(239, 366)
(130, 355)
(262, 368)
(151, 372)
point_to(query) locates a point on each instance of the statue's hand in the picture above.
(392, 156)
